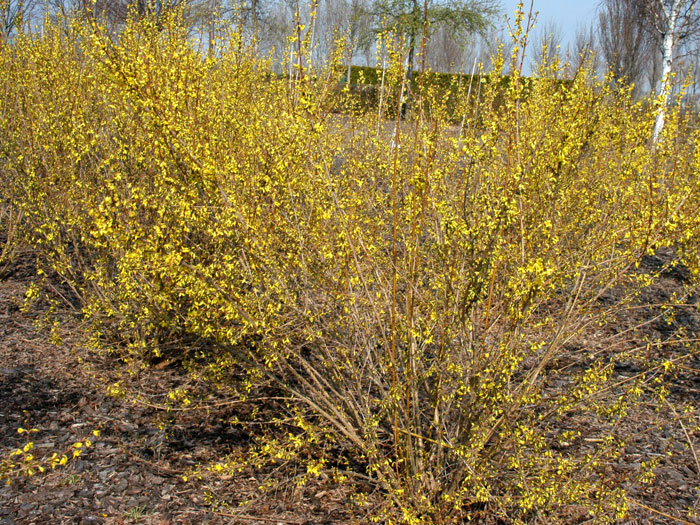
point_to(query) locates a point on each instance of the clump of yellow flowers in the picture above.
(21, 462)
(411, 285)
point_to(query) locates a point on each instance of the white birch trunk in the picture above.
(667, 65)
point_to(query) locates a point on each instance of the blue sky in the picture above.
(566, 14)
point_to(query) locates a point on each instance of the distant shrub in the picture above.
(456, 93)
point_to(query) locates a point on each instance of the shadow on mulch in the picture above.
(133, 472)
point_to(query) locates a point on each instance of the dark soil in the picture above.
(134, 471)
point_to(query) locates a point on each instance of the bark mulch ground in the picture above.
(133, 471)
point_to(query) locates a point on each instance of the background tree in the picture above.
(546, 46)
(12, 14)
(408, 17)
(625, 42)
(446, 52)
(116, 12)
(583, 50)
(251, 11)
(671, 23)
(348, 19)
(492, 41)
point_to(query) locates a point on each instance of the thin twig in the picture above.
(687, 436)
(658, 512)
(207, 407)
(257, 518)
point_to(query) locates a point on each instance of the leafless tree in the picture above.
(652, 68)
(349, 20)
(672, 23)
(625, 41)
(116, 12)
(583, 50)
(491, 42)
(546, 46)
(12, 14)
(445, 50)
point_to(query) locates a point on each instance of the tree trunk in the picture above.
(409, 71)
(667, 65)
(411, 54)
(254, 13)
(411, 57)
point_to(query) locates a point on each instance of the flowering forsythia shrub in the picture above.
(410, 285)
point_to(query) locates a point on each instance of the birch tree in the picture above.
(671, 22)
